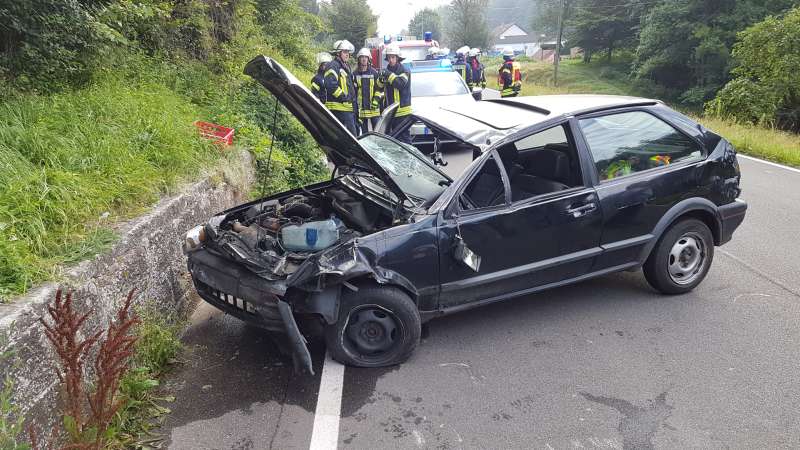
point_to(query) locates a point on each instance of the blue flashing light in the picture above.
(387, 39)
(428, 36)
(399, 37)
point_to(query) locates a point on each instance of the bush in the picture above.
(766, 87)
(745, 101)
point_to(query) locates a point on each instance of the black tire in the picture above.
(388, 333)
(672, 275)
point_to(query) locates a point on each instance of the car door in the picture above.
(522, 245)
(644, 166)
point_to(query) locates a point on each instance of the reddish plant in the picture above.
(111, 364)
(88, 431)
(64, 334)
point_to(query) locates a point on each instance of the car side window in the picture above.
(485, 189)
(630, 142)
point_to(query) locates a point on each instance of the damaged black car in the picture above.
(560, 189)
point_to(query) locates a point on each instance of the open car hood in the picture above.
(341, 147)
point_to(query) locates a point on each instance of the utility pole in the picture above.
(557, 56)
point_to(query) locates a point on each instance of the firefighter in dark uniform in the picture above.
(369, 96)
(475, 70)
(460, 64)
(339, 88)
(509, 79)
(318, 81)
(396, 83)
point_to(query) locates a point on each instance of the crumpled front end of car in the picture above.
(266, 261)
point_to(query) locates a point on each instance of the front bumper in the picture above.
(240, 293)
(731, 216)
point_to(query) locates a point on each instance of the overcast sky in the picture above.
(393, 15)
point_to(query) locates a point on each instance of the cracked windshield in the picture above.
(406, 166)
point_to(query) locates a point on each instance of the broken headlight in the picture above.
(194, 239)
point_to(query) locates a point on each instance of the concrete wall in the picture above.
(147, 257)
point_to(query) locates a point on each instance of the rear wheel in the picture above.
(681, 258)
(377, 326)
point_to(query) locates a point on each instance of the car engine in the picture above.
(274, 237)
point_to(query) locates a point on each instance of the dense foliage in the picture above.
(682, 46)
(466, 23)
(99, 101)
(350, 19)
(426, 20)
(766, 85)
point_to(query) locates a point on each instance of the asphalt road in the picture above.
(607, 363)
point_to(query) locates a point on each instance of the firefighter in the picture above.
(396, 83)
(368, 94)
(339, 89)
(475, 70)
(509, 78)
(433, 53)
(318, 81)
(460, 64)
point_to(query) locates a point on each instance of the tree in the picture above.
(350, 19)
(685, 44)
(602, 25)
(545, 18)
(426, 20)
(467, 24)
(765, 87)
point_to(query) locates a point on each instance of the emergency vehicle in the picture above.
(412, 49)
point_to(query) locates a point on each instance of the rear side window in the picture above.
(626, 143)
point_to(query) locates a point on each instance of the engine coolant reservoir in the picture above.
(310, 236)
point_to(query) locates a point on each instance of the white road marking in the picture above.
(325, 435)
(791, 169)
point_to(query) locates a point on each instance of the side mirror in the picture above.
(463, 254)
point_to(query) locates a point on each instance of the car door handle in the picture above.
(580, 211)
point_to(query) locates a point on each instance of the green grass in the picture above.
(767, 143)
(68, 158)
(599, 77)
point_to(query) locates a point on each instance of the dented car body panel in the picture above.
(422, 244)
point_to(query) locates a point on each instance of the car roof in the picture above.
(573, 104)
(481, 123)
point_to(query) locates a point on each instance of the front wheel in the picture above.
(681, 259)
(377, 326)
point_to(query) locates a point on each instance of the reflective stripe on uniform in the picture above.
(367, 113)
(331, 72)
(337, 106)
(510, 92)
(403, 111)
(337, 92)
(343, 81)
(314, 86)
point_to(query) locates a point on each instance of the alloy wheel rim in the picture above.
(687, 259)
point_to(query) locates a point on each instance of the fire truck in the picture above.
(411, 48)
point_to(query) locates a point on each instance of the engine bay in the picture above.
(273, 237)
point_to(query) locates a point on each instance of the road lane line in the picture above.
(759, 272)
(770, 163)
(325, 435)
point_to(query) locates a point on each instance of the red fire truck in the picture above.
(411, 49)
